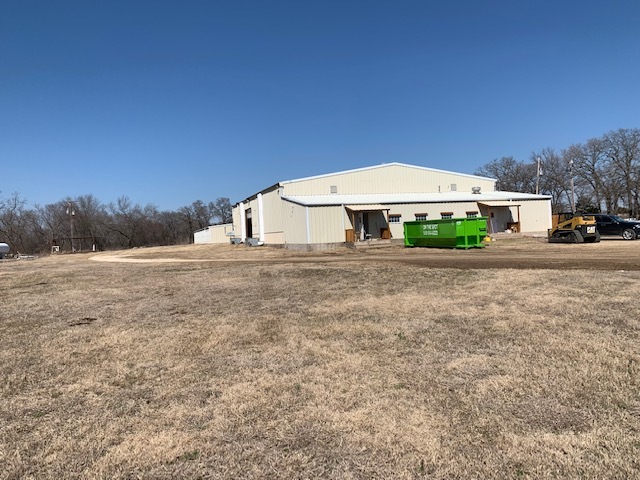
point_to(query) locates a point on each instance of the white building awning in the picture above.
(498, 203)
(366, 208)
(384, 201)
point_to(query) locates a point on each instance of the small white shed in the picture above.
(214, 234)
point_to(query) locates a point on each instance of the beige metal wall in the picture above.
(273, 211)
(294, 221)
(235, 213)
(272, 215)
(535, 215)
(327, 224)
(348, 224)
(237, 223)
(388, 179)
(219, 233)
(286, 222)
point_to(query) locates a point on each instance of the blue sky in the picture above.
(169, 102)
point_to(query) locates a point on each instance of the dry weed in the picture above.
(361, 369)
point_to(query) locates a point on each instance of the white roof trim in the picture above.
(396, 164)
(498, 203)
(217, 225)
(366, 208)
(400, 198)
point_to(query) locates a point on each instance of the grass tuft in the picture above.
(274, 364)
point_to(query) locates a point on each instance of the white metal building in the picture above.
(214, 234)
(373, 202)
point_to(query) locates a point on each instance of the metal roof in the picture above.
(398, 198)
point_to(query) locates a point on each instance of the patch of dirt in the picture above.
(519, 253)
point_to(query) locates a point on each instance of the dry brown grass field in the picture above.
(521, 360)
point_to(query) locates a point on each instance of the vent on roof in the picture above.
(475, 190)
(333, 188)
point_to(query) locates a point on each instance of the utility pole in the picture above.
(573, 196)
(71, 212)
(538, 177)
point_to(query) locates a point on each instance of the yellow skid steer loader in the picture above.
(573, 228)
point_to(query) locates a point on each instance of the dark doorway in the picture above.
(249, 223)
(365, 221)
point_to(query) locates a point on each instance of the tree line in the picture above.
(604, 172)
(84, 223)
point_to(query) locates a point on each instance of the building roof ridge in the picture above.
(383, 165)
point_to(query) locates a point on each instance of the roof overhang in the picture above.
(255, 195)
(384, 201)
(498, 203)
(366, 208)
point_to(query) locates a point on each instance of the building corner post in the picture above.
(243, 223)
(260, 218)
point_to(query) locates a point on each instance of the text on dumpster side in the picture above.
(430, 229)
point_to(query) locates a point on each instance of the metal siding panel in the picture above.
(202, 237)
(272, 204)
(213, 234)
(253, 205)
(219, 233)
(294, 222)
(347, 220)
(391, 179)
(236, 220)
(274, 238)
(535, 215)
(326, 224)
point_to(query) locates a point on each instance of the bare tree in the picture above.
(129, 221)
(221, 210)
(201, 214)
(18, 224)
(174, 229)
(511, 174)
(606, 173)
(594, 172)
(91, 216)
(198, 215)
(555, 178)
(623, 155)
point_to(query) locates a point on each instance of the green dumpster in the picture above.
(446, 233)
